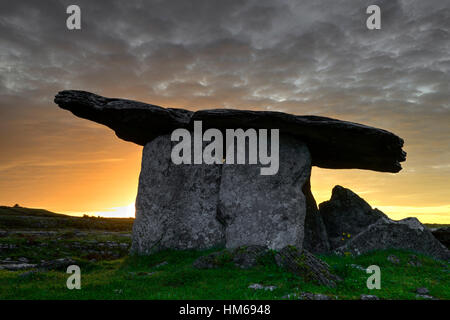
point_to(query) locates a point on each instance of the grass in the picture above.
(100, 247)
(18, 218)
(133, 277)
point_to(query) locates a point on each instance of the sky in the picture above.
(302, 57)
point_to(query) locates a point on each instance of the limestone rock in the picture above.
(313, 296)
(393, 259)
(443, 235)
(249, 256)
(131, 120)
(368, 297)
(58, 264)
(176, 204)
(422, 290)
(257, 286)
(212, 260)
(425, 296)
(316, 238)
(332, 143)
(244, 257)
(16, 266)
(414, 261)
(266, 210)
(406, 234)
(306, 265)
(345, 215)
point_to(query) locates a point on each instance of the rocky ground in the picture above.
(21, 250)
(33, 265)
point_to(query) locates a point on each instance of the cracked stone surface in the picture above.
(406, 234)
(203, 206)
(176, 204)
(266, 210)
(333, 143)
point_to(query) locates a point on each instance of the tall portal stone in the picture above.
(176, 204)
(267, 210)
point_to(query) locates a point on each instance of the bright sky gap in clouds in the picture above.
(302, 57)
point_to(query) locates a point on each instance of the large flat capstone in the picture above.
(332, 143)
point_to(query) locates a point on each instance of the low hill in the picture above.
(14, 218)
(31, 218)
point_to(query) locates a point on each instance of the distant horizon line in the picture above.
(128, 212)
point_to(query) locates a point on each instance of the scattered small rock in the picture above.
(257, 286)
(368, 297)
(17, 266)
(247, 257)
(313, 296)
(414, 261)
(58, 264)
(393, 259)
(270, 288)
(356, 266)
(244, 257)
(161, 264)
(8, 246)
(424, 296)
(145, 273)
(28, 274)
(211, 261)
(422, 290)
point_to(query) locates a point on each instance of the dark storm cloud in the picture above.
(304, 57)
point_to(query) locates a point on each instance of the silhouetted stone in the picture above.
(443, 235)
(332, 143)
(176, 204)
(316, 238)
(266, 210)
(406, 234)
(345, 215)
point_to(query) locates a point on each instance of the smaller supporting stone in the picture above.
(316, 238)
(266, 210)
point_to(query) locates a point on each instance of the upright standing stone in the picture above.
(266, 210)
(176, 204)
(345, 215)
(316, 237)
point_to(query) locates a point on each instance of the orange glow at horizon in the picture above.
(88, 170)
(122, 177)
